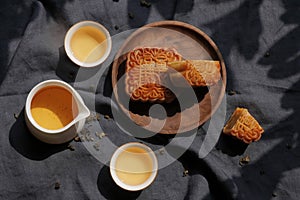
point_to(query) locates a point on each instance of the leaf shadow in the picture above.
(282, 59)
(218, 190)
(166, 8)
(245, 28)
(238, 29)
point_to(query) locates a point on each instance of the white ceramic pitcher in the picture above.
(69, 131)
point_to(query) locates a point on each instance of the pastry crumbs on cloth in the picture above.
(243, 126)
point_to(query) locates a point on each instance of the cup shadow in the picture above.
(66, 69)
(27, 145)
(70, 72)
(110, 190)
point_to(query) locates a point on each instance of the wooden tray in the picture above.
(191, 43)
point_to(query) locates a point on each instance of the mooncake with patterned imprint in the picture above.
(145, 67)
(243, 126)
(147, 72)
(197, 72)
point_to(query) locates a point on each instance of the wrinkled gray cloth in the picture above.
(259, 40)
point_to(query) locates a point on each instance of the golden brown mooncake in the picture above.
(243, 126)
(145, 68)
(198, 72)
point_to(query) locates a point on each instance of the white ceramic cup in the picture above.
(113, 167)
(70, 34)
(61, 135)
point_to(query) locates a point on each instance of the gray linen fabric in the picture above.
(259, 40)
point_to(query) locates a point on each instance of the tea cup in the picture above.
(88, 43)
(133, 166)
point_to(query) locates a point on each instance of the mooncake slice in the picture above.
(243, 126)
(148, 55)
(145, 69)
(197, 72)
(145, 82)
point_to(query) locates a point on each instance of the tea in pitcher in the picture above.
(53, 107)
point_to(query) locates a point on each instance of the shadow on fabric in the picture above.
(231, 146)
(219, 1)
(15, 24)
(110, 190)
(27, 145)
(70, 72)
(66, 69)
(166, 8)
(104, 87)
(191, 162)
(54, 7)
(244, 33)
(283, 58)
(239, 30)
(15, 17)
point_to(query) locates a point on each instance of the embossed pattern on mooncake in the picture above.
(145, 67)
(243, 126)
(198, 72)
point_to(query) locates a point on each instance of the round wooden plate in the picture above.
(191, 43)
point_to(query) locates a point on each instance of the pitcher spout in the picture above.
(83, 112)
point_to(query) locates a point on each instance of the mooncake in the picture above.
(145, 69)
(198, 72)
(243, 126)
